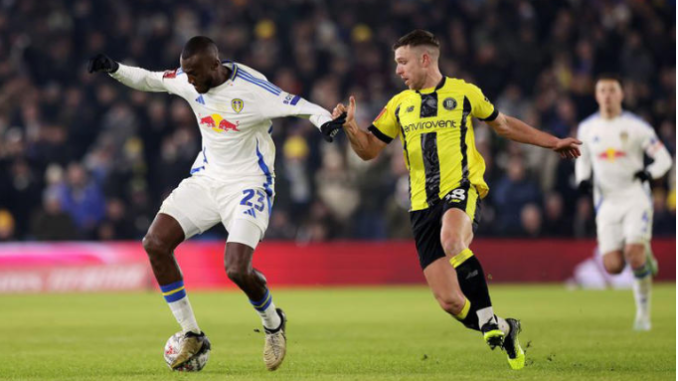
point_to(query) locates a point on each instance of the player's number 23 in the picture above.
(249, 195)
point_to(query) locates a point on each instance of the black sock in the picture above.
(474, 286)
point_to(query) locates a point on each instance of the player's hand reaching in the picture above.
(585, 187)
(102, 62)
(331, 128)
(643, 176)
(568, 148)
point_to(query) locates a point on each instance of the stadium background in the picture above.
(84, 158)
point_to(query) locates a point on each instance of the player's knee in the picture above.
(155, 247)
(453, 244)
(614, 269)
(612, 264)
(238, 273)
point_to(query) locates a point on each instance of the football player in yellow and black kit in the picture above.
(433, 121)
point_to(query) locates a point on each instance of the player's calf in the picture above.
(162, 238)
(451, 302)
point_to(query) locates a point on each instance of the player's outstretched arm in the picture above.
(282, 104)
(661, 158)
(517, 130)
(366, 145)
(134, 77)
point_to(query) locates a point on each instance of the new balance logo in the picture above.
(250, 212)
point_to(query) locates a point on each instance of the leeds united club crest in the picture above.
(237, 105)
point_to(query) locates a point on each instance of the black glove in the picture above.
(586, 187)
(643, 175)
(330, 129)
(102, 62)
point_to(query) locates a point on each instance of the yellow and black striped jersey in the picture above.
(435, 128)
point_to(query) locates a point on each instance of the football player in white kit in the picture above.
(612, 163)
(231, 181)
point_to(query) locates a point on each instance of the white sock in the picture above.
(642, 290)
(269, 317)
(266, 309)
(503, 325)
(177, 300)
(485, 316)
(184, 314)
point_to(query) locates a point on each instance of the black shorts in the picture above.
(427, 223)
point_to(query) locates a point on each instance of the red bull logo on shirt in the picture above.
(611, 154)
(217, 123)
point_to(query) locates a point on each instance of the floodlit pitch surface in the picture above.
(339, 334)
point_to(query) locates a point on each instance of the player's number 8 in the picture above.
(459, 194)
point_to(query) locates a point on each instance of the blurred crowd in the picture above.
(83, 157)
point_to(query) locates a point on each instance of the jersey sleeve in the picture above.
(276, 103)
(169, 81)
(386, 125)
(654, 148)
(583, 165)
(481, 107)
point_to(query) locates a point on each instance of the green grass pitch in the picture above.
(339, 334)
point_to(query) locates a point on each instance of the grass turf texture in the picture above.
(339, 334)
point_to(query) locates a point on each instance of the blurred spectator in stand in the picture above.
(531, 221)
(280, 227)
(556, 224)
(511, 194)
(296, 173)
(51, 223)
(116, 225)
(664, 219)
(396, 210)
(6, 226)
(82, 199)
(584, 223)
(320, 225)
(336, 188)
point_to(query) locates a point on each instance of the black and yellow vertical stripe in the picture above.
(429, 147)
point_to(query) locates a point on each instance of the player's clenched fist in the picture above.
(331, 128)
(102, 62)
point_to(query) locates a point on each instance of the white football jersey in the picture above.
(234, 118)
(612, 151)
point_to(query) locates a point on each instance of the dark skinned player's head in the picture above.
(200, 61)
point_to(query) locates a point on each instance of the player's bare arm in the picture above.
(519, 131)
(366, 145)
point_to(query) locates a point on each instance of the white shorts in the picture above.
(620, 224)
(199, 203)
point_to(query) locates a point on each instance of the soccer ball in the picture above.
(196, 363)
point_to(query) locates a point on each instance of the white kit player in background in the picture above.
(612, 165)
(231, 181)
